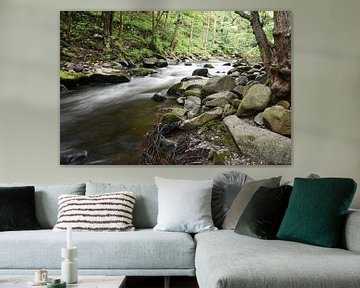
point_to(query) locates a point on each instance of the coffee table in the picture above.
(83, 282)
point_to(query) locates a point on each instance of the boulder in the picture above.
(284, 104)
(159, 97)
(150, 62)
(227, 64)
(170, 117)
(192, 106)
(181, 100)
(267, 147)
(123, 62)
(278, 119)
(256, 99)
(207, 65)
(239, 90)
(202, 118)
(63, 89)
(259, 119)
(201, 72)
(161, 63)
(193, 91)
(78, 68)
(218, 84)
(187, 63)
(188, 83)
(108, 78)
(227, 94)
(217, 102)
(236, 103)
(257, 66)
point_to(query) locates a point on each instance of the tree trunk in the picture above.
(121, 24)
(107, 26)
(276, 57)
(281, 64)
(191, 35)
(177, 26)
(260, 36)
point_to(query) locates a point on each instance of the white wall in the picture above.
(326, 91)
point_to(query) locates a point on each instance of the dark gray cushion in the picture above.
(263, 215)
(225, 189)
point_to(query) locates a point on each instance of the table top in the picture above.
(17, 281)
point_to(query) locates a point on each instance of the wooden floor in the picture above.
(158, 282)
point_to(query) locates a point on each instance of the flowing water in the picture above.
(109, 122)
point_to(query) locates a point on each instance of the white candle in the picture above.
(69, 237)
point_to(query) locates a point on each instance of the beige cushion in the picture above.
(243, 198)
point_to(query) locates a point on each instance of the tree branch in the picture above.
(243, 15)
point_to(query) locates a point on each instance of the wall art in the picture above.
(175, 88)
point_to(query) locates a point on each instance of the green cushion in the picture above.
(316, 211)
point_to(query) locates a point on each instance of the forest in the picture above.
(175, 87)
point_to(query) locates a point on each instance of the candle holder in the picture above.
(69, 271)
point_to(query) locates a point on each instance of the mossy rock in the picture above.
(170, 117)
(141, 72)
(73, 80)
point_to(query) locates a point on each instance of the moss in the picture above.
(217, 158)
(170, 117)
(69, 75)
(137, 72)
(212, 126)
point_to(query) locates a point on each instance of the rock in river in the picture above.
(218, 84)
(268, 147)
(278, 119)
(256, 99)
(202, 119)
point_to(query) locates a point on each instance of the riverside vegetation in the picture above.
(216, 87)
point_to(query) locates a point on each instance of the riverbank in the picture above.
(190, 116)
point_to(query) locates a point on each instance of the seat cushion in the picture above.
(225, 259)
(144, 249)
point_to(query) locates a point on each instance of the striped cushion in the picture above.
(105, 212)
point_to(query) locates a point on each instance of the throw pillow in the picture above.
(226, 187)
(243, 198)
(184, 205)
(316, 211)
(106, 212)
(146, 205)
(263, 215)
(17, 209)
(46, 200)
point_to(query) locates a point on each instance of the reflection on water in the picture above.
(110, 122)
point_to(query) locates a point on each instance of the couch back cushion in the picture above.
(146, 204)
(46, 200)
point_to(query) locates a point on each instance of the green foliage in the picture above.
(137, 34)
(69, 75)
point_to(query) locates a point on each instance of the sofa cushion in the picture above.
(225, 259)
(146, 205)
(46, 200)
(263, 215)
(317, 209)
(105, 212)
(137, 250)
(226, 187)
(243, 198)
(184, 205)
(17, 208)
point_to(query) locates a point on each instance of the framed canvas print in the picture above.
(175, 88)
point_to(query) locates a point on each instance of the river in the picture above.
(109, 122)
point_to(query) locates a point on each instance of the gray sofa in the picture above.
(218, 259)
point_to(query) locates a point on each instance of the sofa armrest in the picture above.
(351, 234)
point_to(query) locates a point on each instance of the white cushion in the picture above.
(184, 205)
(105, 212)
